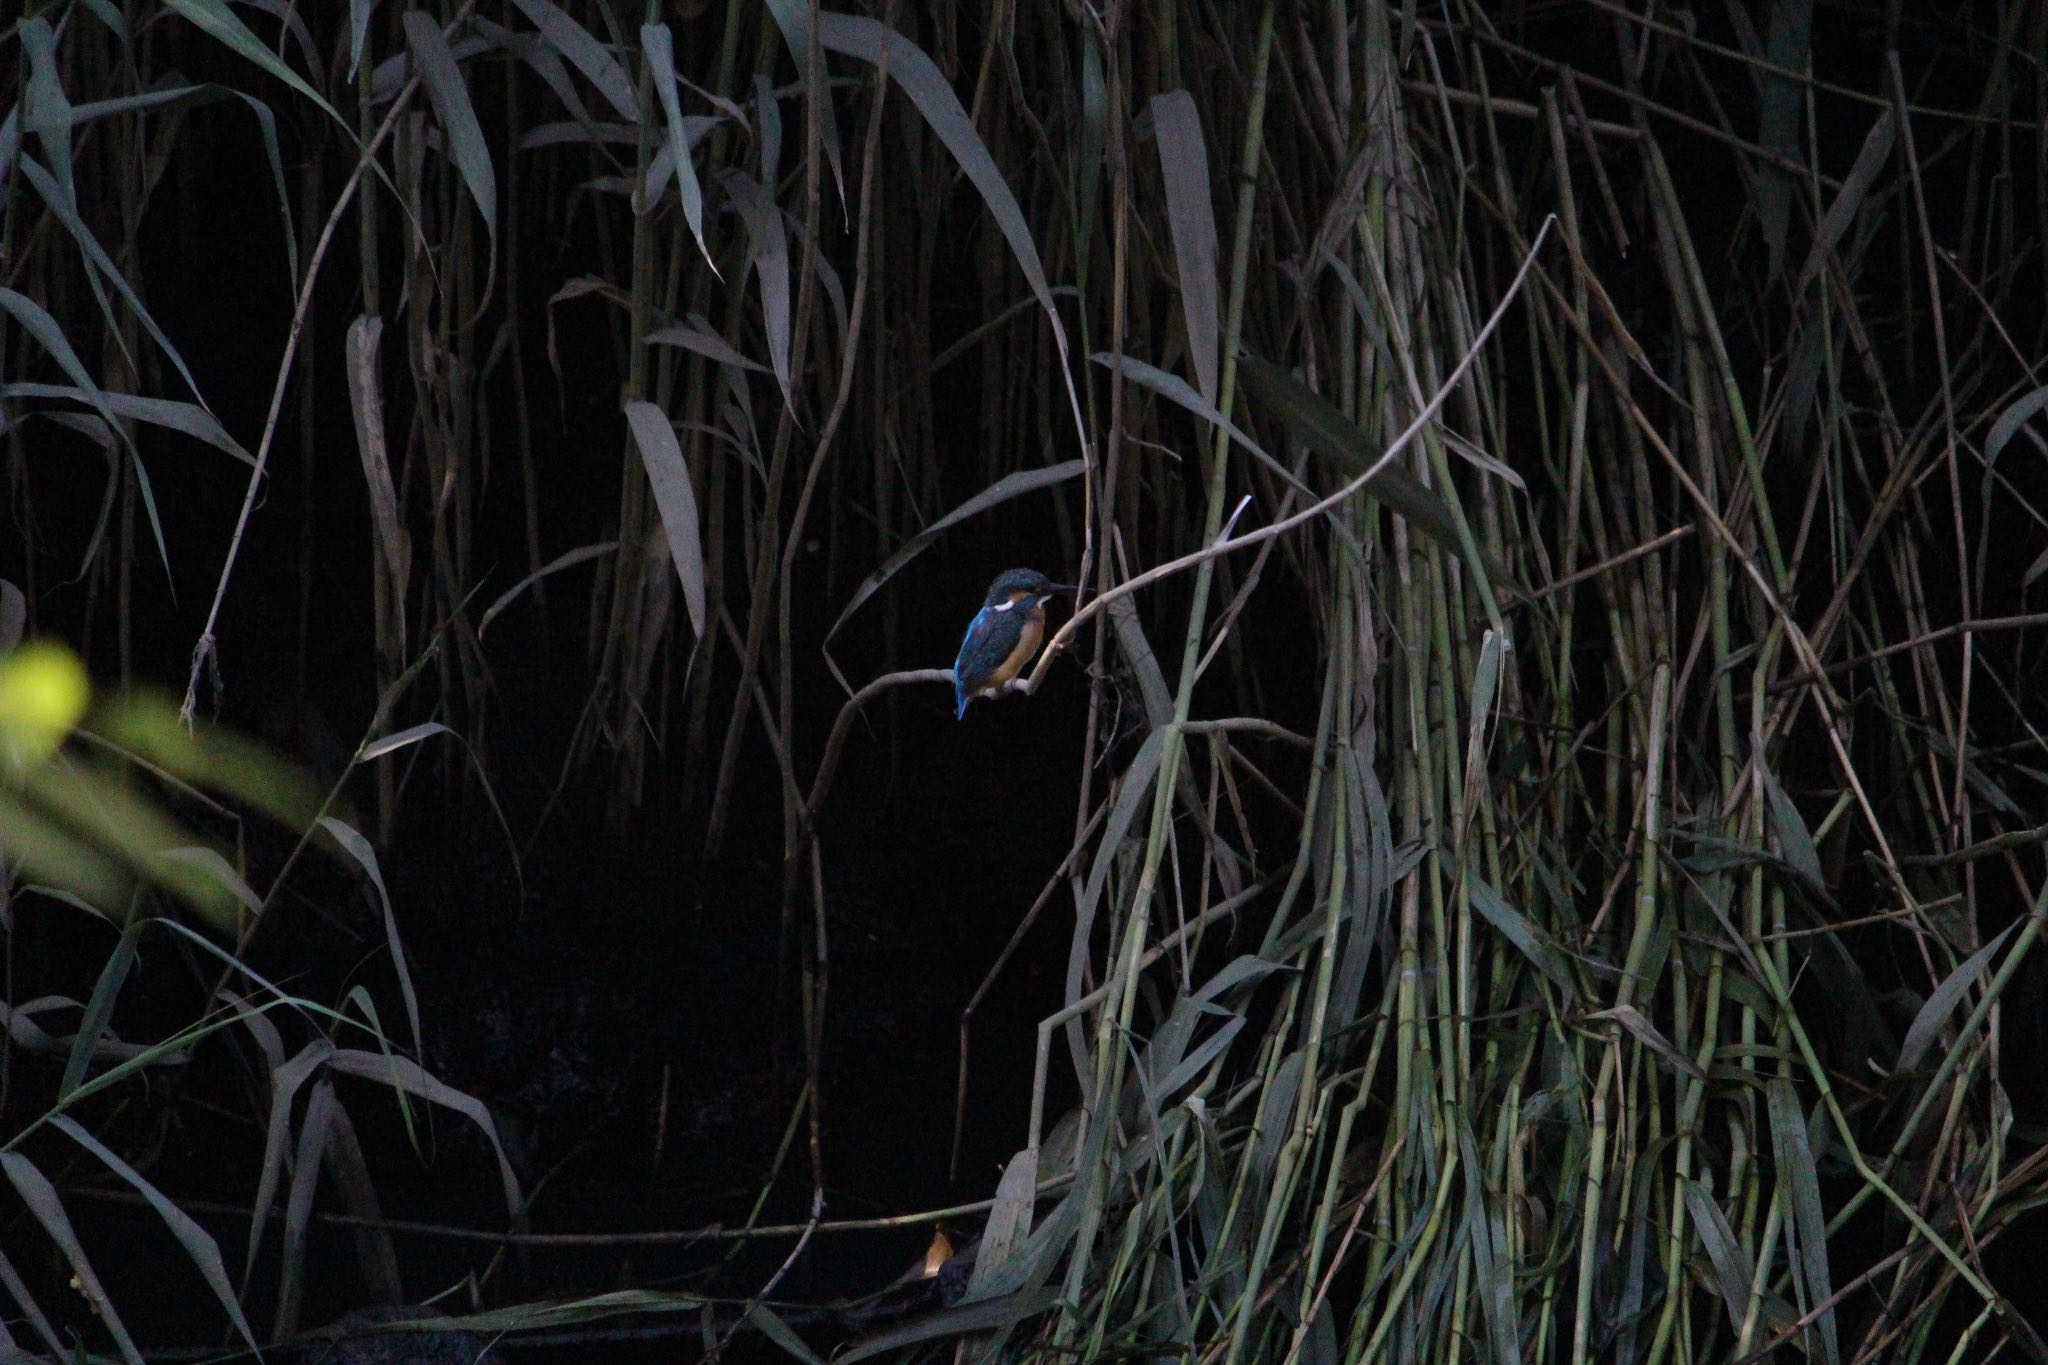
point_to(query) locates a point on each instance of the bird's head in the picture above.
(1022, 587)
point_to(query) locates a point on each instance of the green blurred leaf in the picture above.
(147, 725)
(43, 693)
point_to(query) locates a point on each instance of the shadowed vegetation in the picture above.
(1525, 845)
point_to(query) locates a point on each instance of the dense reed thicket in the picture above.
(1552, 701)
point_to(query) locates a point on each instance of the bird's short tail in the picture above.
(960, 696)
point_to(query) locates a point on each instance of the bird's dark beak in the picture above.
(1062, 587)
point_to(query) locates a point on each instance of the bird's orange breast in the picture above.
(1033, 631)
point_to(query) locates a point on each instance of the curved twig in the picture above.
(829, 764)
(1314, 510)
(826, 769)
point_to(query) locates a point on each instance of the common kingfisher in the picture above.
(1004, 634)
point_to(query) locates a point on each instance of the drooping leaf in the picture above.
(405, 1074)
(1239, 971)
(1848, 202)
(1809, 1219)
(169, 413)
(1730, 1259)
(358, 848)
(1941, 1003)
(1184, 168)
(695, 334)
(1001, 491)
(1788, 828)
(45, 108)
(659, 50)
(212, 864)
(1177, 390)
(585, 53)
(566, 560)
(99, 1008)
(392, 743)
(214, 18)
(667, 473)
(198, 1244)
(793, 17)
(769, 247)
(358, 33)
(40, 325)
(920, 78)
(43, 1202)
(462, 136)
(1322, 424)
(2011, 420)
(1528, 939)
(60, 206)
(1009, 1221)
(1651, 1037)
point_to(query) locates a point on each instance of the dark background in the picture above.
(625, 1001)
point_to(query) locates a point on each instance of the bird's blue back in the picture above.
(991, 638)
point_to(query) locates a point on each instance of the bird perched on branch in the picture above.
(1004, 634)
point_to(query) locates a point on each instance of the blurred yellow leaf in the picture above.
(43, 692)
